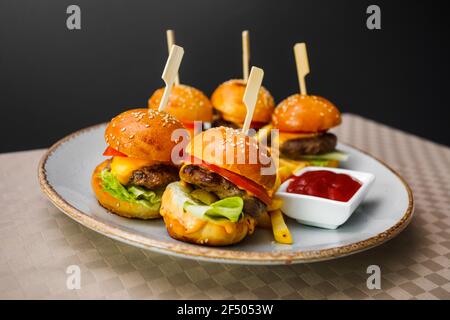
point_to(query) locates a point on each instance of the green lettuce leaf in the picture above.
(335, 155)
(229, 208)
(148, 198)
(226, 209)
(319, 163)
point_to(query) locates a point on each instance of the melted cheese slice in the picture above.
(123, 167)
(285, 136)
(186, 223)
(230, 227)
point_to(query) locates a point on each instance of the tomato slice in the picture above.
(237, 179)
(188, 124)
(111, 152)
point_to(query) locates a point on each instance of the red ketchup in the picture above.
(324, 184)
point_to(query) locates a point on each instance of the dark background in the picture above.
(54, 81)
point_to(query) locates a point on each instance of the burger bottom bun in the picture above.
(120, 207)
(184, 226)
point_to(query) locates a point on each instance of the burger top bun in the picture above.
(185, 103)
(301, 113)
(143, 134)
(245, 156)
(227, 99)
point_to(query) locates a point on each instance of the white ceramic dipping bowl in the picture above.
(321, 212)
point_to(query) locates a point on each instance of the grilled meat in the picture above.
(154, 177)
(295, 148)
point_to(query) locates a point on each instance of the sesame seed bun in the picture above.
(184, 226)
(187, 104)
(227, 99)
(120, 207)
(143, 134)
(301, 113)
(239, 146)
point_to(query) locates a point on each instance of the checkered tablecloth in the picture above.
(38, 243)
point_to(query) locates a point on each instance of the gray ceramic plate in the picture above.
(65, 172)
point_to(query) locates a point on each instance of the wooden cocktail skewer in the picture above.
(301, 60)
(251, 95)
(170, 34)
(227, 98)
(245, 54)
(170, 72)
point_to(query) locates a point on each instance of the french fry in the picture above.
(280, 230)
(293, 165)
(263, 221)
(285, 170)
(283, 174)
(276, 204)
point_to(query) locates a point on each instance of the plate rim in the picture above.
(216, 254)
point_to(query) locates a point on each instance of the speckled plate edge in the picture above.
(181, 249)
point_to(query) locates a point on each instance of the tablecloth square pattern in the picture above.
(38, 243)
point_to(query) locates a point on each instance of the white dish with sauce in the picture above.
(321, 212)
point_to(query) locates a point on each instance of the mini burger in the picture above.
(230, 110)
(219, 197)
(187, 104)
(303, 122)
(131, 182)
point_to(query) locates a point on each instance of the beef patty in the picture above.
(221, 122)
(295, 148)
(215, 183)
(154, 177)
